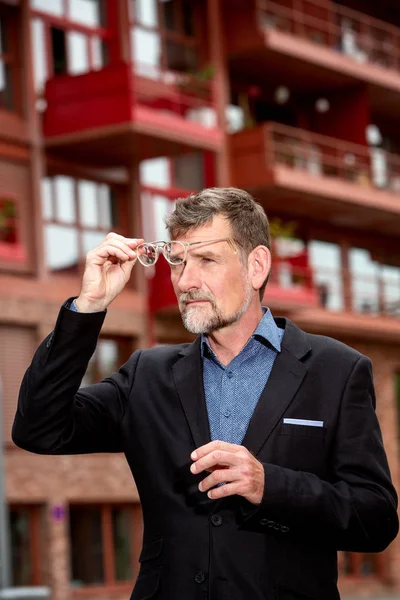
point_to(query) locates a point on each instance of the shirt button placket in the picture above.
(227, 396)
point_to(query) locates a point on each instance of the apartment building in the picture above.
(112, 109)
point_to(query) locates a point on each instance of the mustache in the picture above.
(196, 295)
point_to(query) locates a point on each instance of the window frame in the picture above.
(108, 551)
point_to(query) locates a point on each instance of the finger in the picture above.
(127, 267)
(229, 489)
(215, 445)
(220, 476)
(121, 241)
(116, 248)
(216, 457)
(116, 236)
(99, 256)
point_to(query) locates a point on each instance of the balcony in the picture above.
(116, 115)
(302, 174)
(325, 44)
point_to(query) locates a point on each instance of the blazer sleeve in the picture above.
(54, 416)
(356, 508)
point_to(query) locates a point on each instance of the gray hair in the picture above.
(247, 218)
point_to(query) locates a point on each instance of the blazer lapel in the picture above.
(286, 377)
(188, 377)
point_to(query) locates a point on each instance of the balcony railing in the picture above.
(325, 156)
(351, 33)
(170, 111)
(178, 94)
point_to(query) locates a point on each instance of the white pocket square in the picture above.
(305, 422)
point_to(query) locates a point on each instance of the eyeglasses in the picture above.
(174, 252)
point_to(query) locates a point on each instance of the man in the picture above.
(256, 449)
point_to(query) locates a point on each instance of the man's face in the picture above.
(212, 287)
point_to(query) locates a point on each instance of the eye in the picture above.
(207, 260)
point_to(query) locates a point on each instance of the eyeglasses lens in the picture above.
(174, 252)
(147, 254)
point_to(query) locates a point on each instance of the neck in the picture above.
(227, 343)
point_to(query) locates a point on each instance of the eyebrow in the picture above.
(205, 254)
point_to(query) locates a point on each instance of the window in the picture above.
(102, 543)
(189, 171)
(25, 531)
(78, 214)
(163, 35)
(59, 53)
(390, 275)
(78, 39)
(109, 355)
(7, 61)
(365, 281)
(325, 260)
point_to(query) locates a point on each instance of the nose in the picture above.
(188, 278)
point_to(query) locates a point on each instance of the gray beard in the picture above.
(196, 322)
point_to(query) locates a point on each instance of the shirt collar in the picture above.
(266, 331)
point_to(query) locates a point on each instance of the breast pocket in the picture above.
(307, 431)
(303, 448)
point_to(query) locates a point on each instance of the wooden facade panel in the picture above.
(17, 346)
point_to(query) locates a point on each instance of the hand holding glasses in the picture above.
(174, 252)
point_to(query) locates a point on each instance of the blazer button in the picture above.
(199, 577)
(284, 528)
(271, 523)
(216, 520)
(264, 522)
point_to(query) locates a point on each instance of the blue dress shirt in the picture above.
(232, 392)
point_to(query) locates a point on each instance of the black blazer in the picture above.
(326, 488)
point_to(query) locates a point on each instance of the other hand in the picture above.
(241, 472)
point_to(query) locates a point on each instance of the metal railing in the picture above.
(320, 155)
(176, 93)
(349, 32)
(377, 294)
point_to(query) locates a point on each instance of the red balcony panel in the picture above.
(80, 102)
(304, 174)
(112, 116)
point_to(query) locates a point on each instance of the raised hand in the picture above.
(233, 465)
(107, 270)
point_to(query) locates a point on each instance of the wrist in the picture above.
(84, 305)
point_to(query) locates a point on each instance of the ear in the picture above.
(259, 266)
